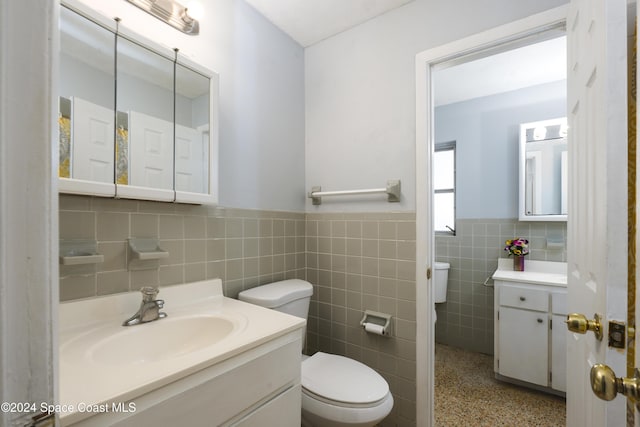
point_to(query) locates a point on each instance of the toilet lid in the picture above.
(341, 379)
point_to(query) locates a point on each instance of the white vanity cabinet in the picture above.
(260, 387)
(530, 334)
(523, 332)
(256, 388)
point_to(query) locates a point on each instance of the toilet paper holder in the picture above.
(377, 320)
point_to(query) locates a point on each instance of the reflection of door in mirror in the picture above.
(533, 183)
(93, 134)
(151, 151)
(86, 119)
(145, 119)
(564, 181)
(192, 131)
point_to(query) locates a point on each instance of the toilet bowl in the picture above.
(336, 391)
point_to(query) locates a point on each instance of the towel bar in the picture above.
(392, 190)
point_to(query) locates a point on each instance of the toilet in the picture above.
(336, 391)
(440, 281)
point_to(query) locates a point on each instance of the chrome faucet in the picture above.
(149, 308)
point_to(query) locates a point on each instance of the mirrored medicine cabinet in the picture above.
(136, 120)
(543, 170)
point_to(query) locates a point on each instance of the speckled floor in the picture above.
(467, 394)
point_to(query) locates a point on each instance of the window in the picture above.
(444, 186)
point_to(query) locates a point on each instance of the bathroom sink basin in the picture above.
(154, 341)
(161, 339)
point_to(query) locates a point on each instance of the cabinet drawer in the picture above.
(559, 303)
(281, 411)
(526, 298)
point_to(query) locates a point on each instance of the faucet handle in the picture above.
(149, 293)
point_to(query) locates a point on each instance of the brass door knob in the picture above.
(579, 324)
(606, 385)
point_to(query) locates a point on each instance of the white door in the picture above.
(189, 160)
(151, 151)
(92, 141)
(597, 227)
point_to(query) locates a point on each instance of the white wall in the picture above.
(360, 95)
(261, 97)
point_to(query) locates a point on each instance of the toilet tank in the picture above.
(441, 279)
(288, 296)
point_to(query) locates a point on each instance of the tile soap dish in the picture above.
(146, 249)
(78, 252)
(145, 253)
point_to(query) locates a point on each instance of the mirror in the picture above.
(145, 122)
(192, 131)
(137, 120)
(86, 119)
(543, 170)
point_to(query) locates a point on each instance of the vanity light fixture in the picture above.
(171, 12)
(539, 133)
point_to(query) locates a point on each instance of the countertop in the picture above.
(86, 381)
(538, 272)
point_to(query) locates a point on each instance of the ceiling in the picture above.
(309, 21)
(531, 65)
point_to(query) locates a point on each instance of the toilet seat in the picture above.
(318, 413)
(338, 391)
(342, 381)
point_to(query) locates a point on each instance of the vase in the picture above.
(518, 263)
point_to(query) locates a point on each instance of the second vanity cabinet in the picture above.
(530, 334)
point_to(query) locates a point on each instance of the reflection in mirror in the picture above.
(86, 118)
(144, 136)
(192, 131)
(543, 170)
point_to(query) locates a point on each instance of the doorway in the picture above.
(481, 104)
(534, 29)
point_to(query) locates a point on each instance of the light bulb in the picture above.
(539, 133)
(564, 130)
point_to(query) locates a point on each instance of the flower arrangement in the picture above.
(517, 246)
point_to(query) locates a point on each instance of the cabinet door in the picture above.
(524, 345)
(86, 116)
(558, 353)
(193, 123)
(145, 105)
